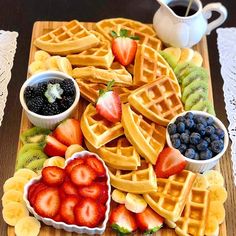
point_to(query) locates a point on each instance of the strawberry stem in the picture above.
(108, 88)
(123, 33)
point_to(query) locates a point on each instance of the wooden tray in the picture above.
(42, 27)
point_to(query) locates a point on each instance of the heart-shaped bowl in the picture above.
(61, 225)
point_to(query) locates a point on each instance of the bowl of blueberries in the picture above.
(200, 137)
(49, 97)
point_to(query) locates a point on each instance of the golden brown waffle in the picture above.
(72, 37)
(171, 195)
(147, 137)
(116, 72)
(118, 154)
(158, 100)
(97, 130)
(106, 26)
(142, 180)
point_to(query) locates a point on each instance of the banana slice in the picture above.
(73, 149)
(13, 212)
(41, 56)
(36, 67)
(200, 182)
(51, 63)
(135, 203)
(12, 196)
(212, 226)
(217, 193)
(26, 173)
(64, 65)
(175, 52)
(214, 177)
(186, 55)
(217, 209)
(118, 196)
(55, 161)
(29, 226)
(16, 183)
(197, 59)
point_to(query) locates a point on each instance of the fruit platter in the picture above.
(118, 136)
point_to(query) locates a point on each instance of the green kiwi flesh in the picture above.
(180, 69)
(28, 146)
(36, 165)
(171, 60)
(194, 99)
(204, 106)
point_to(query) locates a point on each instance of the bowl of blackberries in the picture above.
(200, 137)
(49, 97)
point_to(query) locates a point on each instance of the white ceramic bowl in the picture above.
(202, 165)
(48, 122)
(62, 225)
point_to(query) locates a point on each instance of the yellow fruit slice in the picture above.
(55, 161)
(26, 173)
(51, 63)
(217, 209)
(135, 203)
(118, 196)
(200, 182)
(212, 226)
(41, 55)
(186, 55)
(197, 59)
(13, 212)
(16, 183)
(73, 149)
(175, 52)
(36, 67)
(217, 193)
(214, 177)
(12, 196)
(64, 65)
(27, 226)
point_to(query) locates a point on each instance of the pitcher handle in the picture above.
(207, 13)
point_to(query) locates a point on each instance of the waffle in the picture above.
(142, 180)
(69, 38)
(97, 130)
(118, 154)
(105, 26)
(158, 101)
(92, 74)
(147, 137)
(171, 195)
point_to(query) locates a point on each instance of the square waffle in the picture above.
(171, 195)
(69, 38)
(158, 101)
(147, 137)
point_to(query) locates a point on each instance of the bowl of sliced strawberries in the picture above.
(75, 198)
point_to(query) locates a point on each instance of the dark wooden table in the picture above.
(19, 15)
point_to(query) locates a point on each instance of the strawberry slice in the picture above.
(53, 147)
(97, 165)
(69, 132)
(170, 161)
(33, 194)
(93, 191)
(149, 221)
(109, 104)
(47, 202)
(122, 220)
(88, 213)
(74, 163)
(69, 188)
(57, 218)
(104, 195)
(53, 175)
(82, 175)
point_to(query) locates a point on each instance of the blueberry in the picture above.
(217, 146)
(189, 115)
(210, 121)
(219, 132)
(210, 130)
(205, 155)
(201, 120)
(181, 127)
(189, 123)
(184, 138)
(190, 153)
(187, 131)
(192, 146)
(175, 136)
(179, 119)
(176, 142)
(202, 146)
(172, 128)
(200, 129)
(214, 137)
(182, 148)
(207, 139)
(195, 138)
(196, 157)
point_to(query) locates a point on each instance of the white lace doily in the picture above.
(7, 52)
(227, 49)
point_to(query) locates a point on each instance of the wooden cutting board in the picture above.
(42, 27)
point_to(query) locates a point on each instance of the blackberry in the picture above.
(29, 93)
(50, 109)
(41, 89)
(35, 104)
(68, 87)
(55, 81)
(66, 102)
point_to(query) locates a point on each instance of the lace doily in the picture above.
(7, 52)
(227, 50)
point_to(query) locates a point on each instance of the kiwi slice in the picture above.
(180, 69)
(28, 146)
(169, 58)
(34, 135)
(194, 99)
(36, 165)
(204, 106)
(196, 86)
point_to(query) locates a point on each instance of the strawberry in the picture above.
(33, 194)
(123, 47)
(69, 188)
(88, 213)
(108, 104)
(97, 165)
(68, 132)
(73, 163)
(53, 147)
(82, 175)
(47, 202)
(170, 161)
(104, 195)
(57, 218)
(93, 191)
(149, 221)
(53, 175)
(122, 220)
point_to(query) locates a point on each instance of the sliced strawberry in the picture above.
(47, 202)
(67, 209)
(122, 220)
(97, 166)
(69, 188)
(149, 221)
(104, 195)
(93, 191)
(69, 132)
(57, 218)
(53, 147)
(53, 175)
(39, 187)
(82, 175)
(73, 163)
(170, 161)
(31, 190)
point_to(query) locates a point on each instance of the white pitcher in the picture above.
(180, 31)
